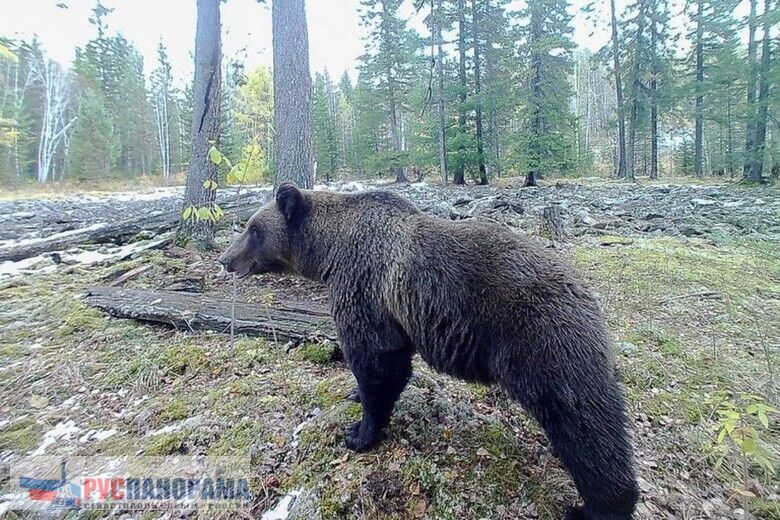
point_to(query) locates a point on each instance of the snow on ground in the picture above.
(282, 509)
(64, 430)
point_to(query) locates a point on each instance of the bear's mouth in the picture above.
(244, 274)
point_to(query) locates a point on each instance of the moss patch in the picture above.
(20, 436)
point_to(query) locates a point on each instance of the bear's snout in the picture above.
(226, 261)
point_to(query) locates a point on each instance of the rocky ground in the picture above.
(589, 208)
(689, 277)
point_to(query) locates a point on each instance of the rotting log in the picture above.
(120, 231)
(298, 321)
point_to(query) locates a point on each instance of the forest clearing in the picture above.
(692, 300)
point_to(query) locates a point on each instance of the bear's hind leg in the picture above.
(585, 423)
(381, 377)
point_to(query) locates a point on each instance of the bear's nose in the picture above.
(223, 260)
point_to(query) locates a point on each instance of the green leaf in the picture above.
(187, 213)
(215, 155)
(204, 214)
(763, 419)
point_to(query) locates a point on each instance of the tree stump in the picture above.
(552, 223)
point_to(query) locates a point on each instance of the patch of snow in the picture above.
(9, 268)
(64, 234)
(63, 430)
(298, 429)
(190, 422)
(97, 435)
(282, 509)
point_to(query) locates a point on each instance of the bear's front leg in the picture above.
(381, 378)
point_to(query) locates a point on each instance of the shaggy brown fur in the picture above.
(475, 300)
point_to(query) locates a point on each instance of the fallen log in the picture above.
(119, 232)
(299, 321)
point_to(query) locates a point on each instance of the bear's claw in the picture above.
(358, 441)
(354, 395)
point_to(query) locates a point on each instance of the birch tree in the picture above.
(161, 80)
(53, 81)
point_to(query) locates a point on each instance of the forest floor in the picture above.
(688, 276)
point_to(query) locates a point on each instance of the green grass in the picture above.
(20, 436)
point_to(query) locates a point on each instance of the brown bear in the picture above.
(475, 300)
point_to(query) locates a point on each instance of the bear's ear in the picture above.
(290, 201)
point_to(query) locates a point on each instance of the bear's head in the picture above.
(265, 244)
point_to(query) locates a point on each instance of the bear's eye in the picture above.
(256, 234)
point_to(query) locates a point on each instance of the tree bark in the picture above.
(552, 225)
(752, 81)
(483, 179)
(621, 159)
(300, 321)
(437, 23)
(757, 160)
(458, 176)
(699, 117)
(293, 144)
(205, 124)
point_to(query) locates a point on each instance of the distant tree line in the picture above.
(484, 92)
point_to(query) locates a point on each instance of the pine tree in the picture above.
(755, 156)
(462, 139)
(388, 66)
(346, 122)
(325, 134)
(546, 143)
(94, 147)
(476, 19)
(713, 26)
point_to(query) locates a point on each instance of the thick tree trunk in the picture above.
(621, 159)
(458, 176)
(437, 21)
(699, 89)
(293, 144)
(752, 81)
(483, 179)
(757, 160)
(205, 124)
(300, 321)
